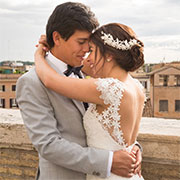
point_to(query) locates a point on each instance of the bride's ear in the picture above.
(56, 38)
(108, 58)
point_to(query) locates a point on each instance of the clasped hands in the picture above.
(127, 164)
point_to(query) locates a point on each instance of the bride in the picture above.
(116, 99)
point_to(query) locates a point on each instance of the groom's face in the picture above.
(75, 48)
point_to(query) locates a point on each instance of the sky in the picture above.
(156, 23)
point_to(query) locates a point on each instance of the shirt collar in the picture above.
(57, 62)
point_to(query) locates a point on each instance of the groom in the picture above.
(54, 122)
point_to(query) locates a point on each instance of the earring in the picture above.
(108, 60)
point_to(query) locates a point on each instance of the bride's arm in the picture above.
(80, 89)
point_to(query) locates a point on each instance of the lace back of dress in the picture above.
(111, 93)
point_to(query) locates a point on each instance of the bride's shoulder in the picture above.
(111, 89)
(141, 90)
(112, 85)
(110, 81)
(138, 83)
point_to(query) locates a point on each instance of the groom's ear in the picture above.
(56, 38)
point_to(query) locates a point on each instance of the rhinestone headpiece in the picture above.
(116, 43)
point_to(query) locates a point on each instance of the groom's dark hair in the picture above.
(69, 17)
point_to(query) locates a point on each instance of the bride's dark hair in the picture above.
(129, 60)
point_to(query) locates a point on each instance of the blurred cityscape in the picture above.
(161, 83)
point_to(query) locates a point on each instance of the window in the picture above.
(177, 105)
(163, 80)
(177, 80)
(13, 103)
(2, 88)
(13, 87)
(163, 105)
(2, 103)
(144, 83)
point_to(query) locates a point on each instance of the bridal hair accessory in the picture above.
(118, 44)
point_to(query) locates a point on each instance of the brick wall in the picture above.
(18, 164)
(160, 139)
(161, 160)
(18, 157)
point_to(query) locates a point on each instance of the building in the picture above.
(144, 79)
(6, 70)
(12, 69)
(8, 90)
(160, 65)
(28, 67)
(165, 92)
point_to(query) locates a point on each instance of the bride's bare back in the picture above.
(130, 110)
(114, 125)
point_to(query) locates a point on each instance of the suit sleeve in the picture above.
(41, 125)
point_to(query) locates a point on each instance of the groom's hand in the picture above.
(123, 163)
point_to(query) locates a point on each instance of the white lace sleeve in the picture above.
(111, 92)
(110, 89)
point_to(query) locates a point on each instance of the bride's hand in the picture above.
(136, 152)
(43, 41)
(40, 52)
(40, 62)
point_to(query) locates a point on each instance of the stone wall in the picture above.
(147, 111)
(18, 158)
(18, 164)
(161, 157)
(160, 139)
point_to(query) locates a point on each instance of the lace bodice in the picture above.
(111, 93)
(103, 129)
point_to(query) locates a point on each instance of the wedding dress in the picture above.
(96, 125)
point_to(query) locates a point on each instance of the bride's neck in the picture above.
(117, 72)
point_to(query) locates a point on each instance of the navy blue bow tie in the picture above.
(75, 70)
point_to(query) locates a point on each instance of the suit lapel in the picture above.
(78, 104)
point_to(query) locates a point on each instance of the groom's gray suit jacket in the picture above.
(54, 125)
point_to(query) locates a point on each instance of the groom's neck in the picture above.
(58, 55)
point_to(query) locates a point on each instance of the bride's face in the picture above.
(96, 61)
